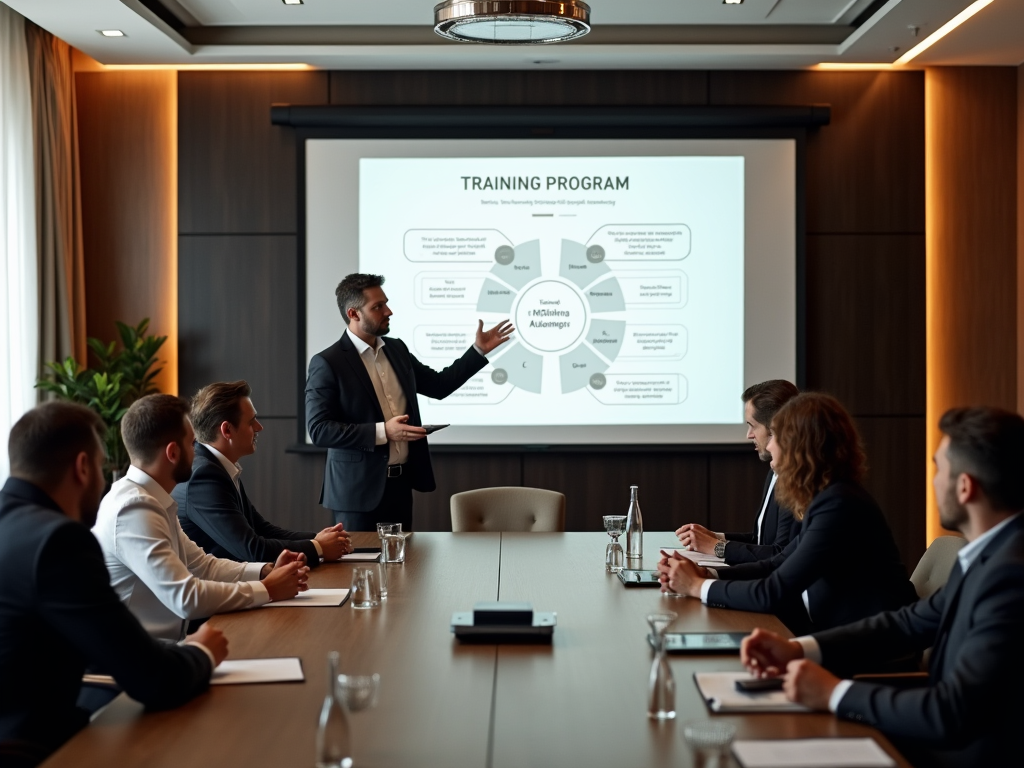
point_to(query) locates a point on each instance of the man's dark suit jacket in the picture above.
(845, 558)
(58, 614)
(342, 412)
(779, 528)
(223, 521)
(971, 712)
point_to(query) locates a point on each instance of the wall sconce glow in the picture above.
(111, 33)
(942, 31)
(841, 66)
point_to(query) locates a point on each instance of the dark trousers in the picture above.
(395, 507)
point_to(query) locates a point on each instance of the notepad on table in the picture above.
(239, 671)
(361, 557)
(720, 694)
(312, 598)
(811, 753)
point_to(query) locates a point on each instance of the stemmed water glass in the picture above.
(615, 525)
(357, 693)
(661, 693)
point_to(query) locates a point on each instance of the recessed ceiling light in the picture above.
(732, 2)
(293, 2)
(111, 33)
(512, 22)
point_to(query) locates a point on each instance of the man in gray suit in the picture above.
(361, 406)
(969, 709)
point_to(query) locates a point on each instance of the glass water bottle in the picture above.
(634, 528)
(333, 737)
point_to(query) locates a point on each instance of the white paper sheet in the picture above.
(697, 557)
(312, 598)
(361, 557)
(719, 691)
(238, 671)
(811, 753)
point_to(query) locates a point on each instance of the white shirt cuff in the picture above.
(480, 352)
(812, 651)
(204, 649)
(837, 695)
(382, 436)
(705, 588)
(720, 536)
(260, 596)
(319, 549)
(252, 571)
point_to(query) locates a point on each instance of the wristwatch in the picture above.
(720, 549)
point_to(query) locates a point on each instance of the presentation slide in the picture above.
(625, 275)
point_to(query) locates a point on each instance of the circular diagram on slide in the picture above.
(567, 319)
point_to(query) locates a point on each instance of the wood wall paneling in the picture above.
(865, 171)
(734, 490)
(238, 316)
(1020, 238)
(865, 321)
(457, 472)
(507, 88)
(127, 133)
(237, 171)
(673, 487)
(971, 124)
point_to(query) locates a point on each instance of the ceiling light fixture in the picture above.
(512, 22)
(111, 33)
(732, 2)
(942, 31)
(292, 2)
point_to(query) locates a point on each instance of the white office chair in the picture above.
(936, 564)
(508, 508)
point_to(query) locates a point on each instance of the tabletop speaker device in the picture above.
(503, 622)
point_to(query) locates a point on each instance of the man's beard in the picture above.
(764, 456)
(952, 514)
(182, 472)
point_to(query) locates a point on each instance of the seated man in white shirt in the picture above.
(158, 572)
(968, 710)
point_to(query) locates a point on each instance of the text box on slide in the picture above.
(642, 242)
(453, 245)
(448, 342)
(642, 389)
(444, 290)
(654, 342)
(483, 388)
(665, 290)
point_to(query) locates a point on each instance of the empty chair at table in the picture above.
(508, 508)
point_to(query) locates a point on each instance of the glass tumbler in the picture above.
(365, 587)
(709, 741)
(394, 548)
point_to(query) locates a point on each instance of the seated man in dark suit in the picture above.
(970, 709)
(774, 526)
(213, 508)
(58, 613)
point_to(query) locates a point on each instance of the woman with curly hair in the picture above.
(843, 565)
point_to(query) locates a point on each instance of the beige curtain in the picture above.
(58, 198)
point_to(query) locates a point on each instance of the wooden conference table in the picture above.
(579, 702)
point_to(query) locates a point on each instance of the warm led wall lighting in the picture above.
(208, 67)
(111, 33)
(942, 31)
(839, 66)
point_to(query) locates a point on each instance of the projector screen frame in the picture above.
(560, 123)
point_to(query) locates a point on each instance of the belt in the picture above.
(395, 470)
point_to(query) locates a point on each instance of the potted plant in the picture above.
(121, 376)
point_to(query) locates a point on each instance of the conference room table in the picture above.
(580, 701)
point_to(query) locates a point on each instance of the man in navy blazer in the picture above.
(774, 526)
(213, 507)
(58, 612)
(361, 406)
(970, 711)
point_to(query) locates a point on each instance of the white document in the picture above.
(361, 557)
(811, 753)
(719, 691)
(698, 557)
(312, 598)
(238, 671)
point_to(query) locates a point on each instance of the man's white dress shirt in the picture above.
(163, 577)
(390, 394)
(966, 557)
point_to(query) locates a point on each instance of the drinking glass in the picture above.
(382, 569)
(709, 740)
(661, 692)
(333, 735)
(386, 528)
(393, 548)
(356, 693)
(365, 587)
(613, 554)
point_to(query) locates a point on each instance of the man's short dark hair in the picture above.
(151, 423)
(988, 445)
(45, 442)
(216, 403)
(768, 397)
(350, 291)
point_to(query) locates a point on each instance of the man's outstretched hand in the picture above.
(496, 336)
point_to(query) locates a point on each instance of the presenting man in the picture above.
(156, 570)
(969, 711)
(774, 527)
(213, 508)
(361, 406)
(58, 613)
